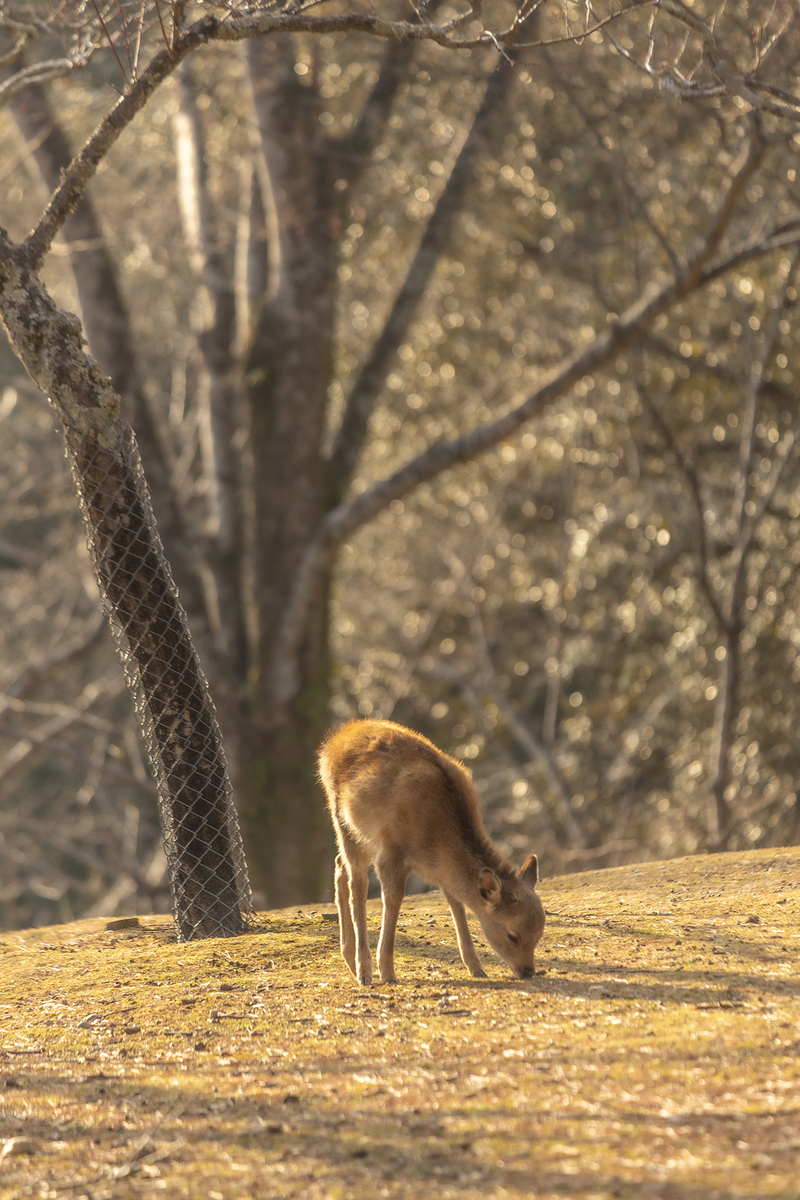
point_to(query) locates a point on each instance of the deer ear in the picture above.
(529, 871)
(490, 887)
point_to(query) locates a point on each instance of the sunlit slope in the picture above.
(654, 1055)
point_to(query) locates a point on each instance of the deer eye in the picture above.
(512, 937)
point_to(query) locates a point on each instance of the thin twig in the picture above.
(110, 41)
(689, 469)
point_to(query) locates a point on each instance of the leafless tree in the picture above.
(255, 574)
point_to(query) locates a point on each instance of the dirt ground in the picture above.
(655, 1054)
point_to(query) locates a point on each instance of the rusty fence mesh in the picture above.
(211, 894)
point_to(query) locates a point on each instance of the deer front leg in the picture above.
(347, 934)
(392, 875)
(391, 911)
(358, 910)
(466, 946)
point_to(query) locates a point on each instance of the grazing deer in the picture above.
(398, 802)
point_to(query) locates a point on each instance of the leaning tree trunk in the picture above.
(162, 669)
(164, 674)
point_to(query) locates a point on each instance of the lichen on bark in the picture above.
(49, 343)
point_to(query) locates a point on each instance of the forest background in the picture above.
(464, 381)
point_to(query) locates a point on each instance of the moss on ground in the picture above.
(656, 1053)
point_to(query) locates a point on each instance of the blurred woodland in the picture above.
(464, 379)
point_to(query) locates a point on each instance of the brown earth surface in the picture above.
(655, 1054)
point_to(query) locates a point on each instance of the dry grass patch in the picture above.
(655, 1054)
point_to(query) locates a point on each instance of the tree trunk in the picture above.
(162, 669)
(170, 692)
(285, 826)
(306, 179)
(288, 369)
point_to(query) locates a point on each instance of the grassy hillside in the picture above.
(656, 1053)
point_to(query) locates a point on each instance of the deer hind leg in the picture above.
(347, 934)
(392, 873)
(350, 878)
(469, 955)
(358, 909)
(355, 860)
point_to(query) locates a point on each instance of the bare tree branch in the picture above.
(100, 691)
(367, 387)
(41, 73)
(23, 33)
(354, 150)
(624, 331)
(61, 657)
(689, 469)
(37, 741)
(715, 74)
(747, 516)
(20, 556)
(210, 29)
(106, 320)
(750, 513)
(262, 23)
(216, 317)
(523, 735)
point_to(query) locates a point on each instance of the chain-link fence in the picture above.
(210, 887)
